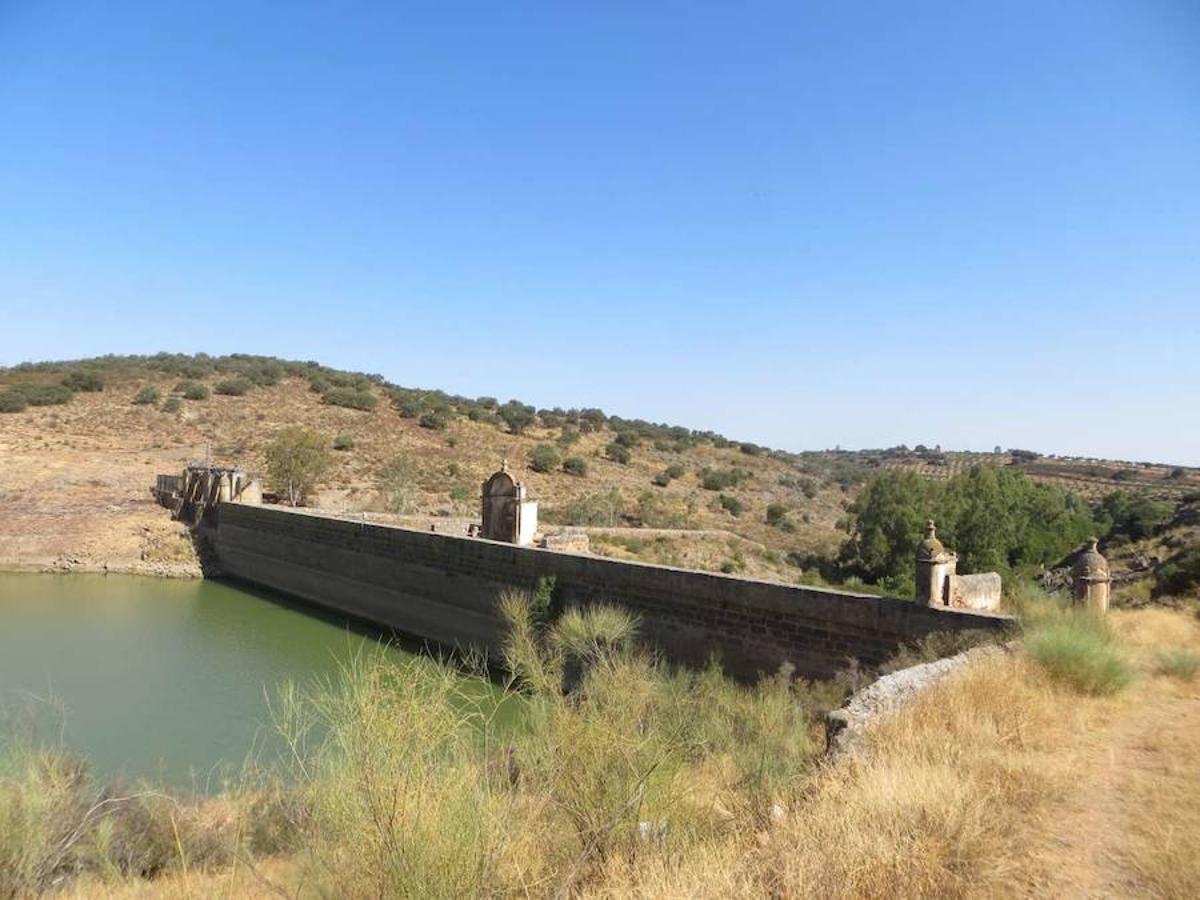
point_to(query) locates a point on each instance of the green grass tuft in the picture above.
(1079, 650)
(1178, 663)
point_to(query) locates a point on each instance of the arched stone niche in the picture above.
(506, 513)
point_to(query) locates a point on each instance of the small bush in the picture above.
(350, 398)
(732, 505)
(147, 396)
(192, 390)
(84, 382)
(1080, 650)
(234, 387)
(675, 470)
(575, 465)
(172, 405)
(1178, 663)
(544, 458)
(343, 442)
(722, 479)
(627, 439)
(1179, 575)
(618, 453)
(660, 480)
(11, 402)
(776, 513)
(43, 394)
(435, 420)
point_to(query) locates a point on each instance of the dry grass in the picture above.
(1163, 841)
(646, 782)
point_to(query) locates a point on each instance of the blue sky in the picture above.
(804, 224)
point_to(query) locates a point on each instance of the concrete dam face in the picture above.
(444, 589)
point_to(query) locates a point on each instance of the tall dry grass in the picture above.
(620, 777)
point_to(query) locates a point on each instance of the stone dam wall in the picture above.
(443, 588)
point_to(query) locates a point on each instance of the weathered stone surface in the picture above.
(444, 588)
(980, 591)
(846, 726)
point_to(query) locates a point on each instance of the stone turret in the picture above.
(1091, 578)
(934, 565)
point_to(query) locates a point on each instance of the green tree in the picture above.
(297, 461)
(995, 518)
(517, 416)
(885, 524)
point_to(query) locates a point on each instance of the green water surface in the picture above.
(157, 678)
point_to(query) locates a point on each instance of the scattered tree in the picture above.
(575, 465)
(297, 461)
(618, 453)
(84, 382)
(544, 458)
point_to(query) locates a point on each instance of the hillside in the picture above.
(79, 463)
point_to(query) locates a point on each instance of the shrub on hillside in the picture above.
(234, 387)
(193, 390)
(84, 382)
(777, 517)
(544, 458)
(731, 505)
(618, 453)
(435, 420)
(675, 470)
(11, 402)
(628, 439)
(172, 405)
(43, 394)
(722, 479)
(147, 396)
(575, 465)
(350, 398)
(660, 480)
(343, 442)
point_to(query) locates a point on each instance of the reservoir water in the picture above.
(153, 677)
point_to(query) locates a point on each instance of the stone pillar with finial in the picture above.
(1091, 579)
(935, 564)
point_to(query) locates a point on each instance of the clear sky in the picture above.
(799, 223)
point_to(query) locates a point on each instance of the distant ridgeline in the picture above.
(49, 383)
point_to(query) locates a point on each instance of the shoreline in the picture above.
(76, 566)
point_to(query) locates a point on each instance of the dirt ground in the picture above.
(1130, 825)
